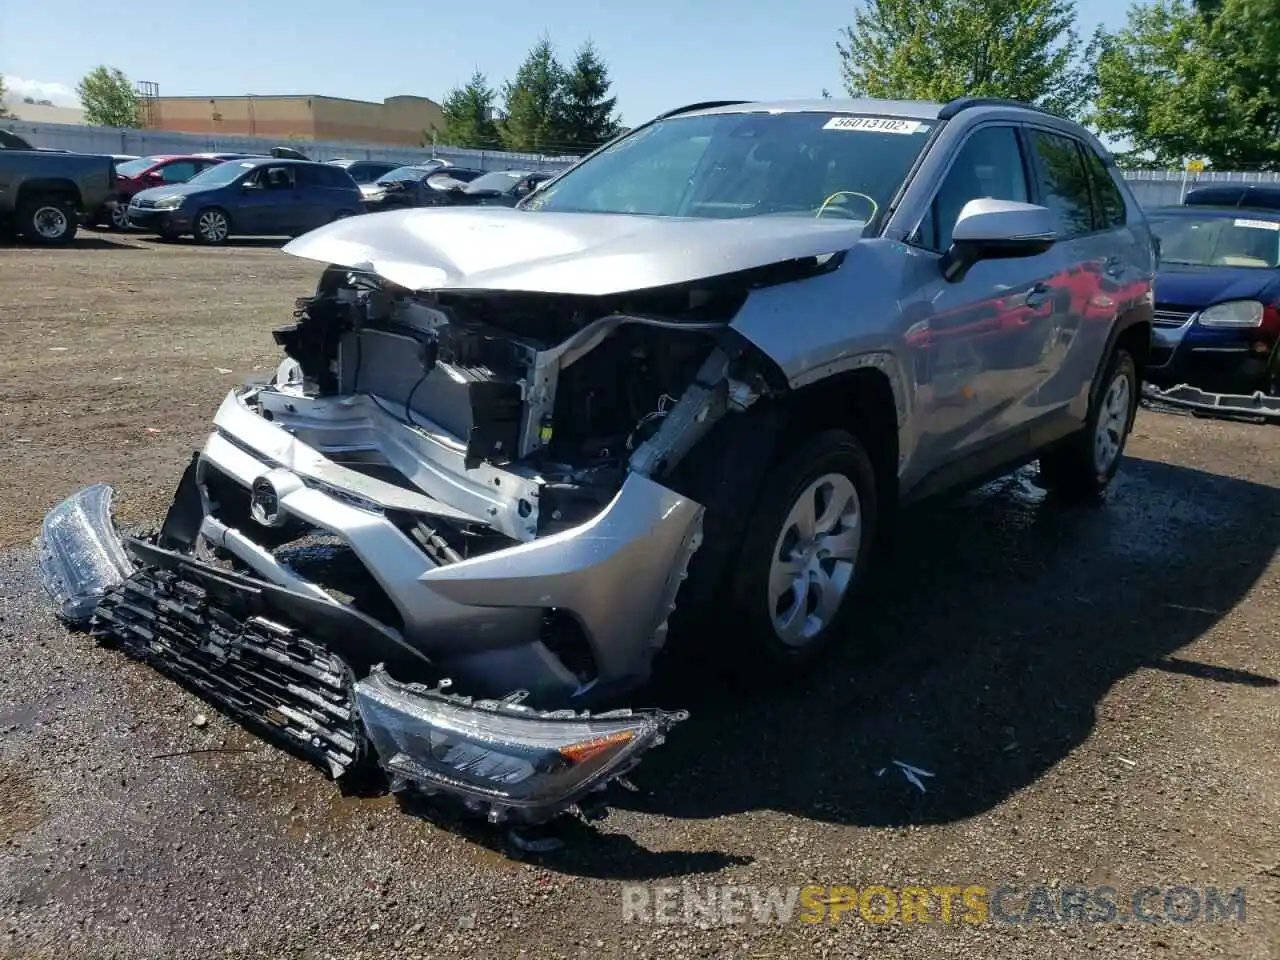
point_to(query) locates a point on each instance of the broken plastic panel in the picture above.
(81, 556)
(510, 760)
(1252, 406)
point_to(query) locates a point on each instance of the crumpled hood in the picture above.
(499, 248)
(1199, 287)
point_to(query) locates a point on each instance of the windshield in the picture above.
(746, 165)
(501, 182)
(222, 174)
(131, 168)
(406, 173)
(1219, 241)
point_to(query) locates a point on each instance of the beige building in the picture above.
(400, 121)
(43, 112)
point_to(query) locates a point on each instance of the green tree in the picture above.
(468, 115)
(1185, 81)
(534, 103)
(588, 110)
(1028, 50)
(109, 99)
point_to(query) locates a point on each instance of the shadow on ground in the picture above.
(82, 241)
(233, 242)
(983, 653)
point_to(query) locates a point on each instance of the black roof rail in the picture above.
(704, 105)
(953, 107)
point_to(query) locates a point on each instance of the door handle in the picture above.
(1037, 295)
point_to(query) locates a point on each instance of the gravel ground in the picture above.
(1094, 691)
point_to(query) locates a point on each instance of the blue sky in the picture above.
(661, 53)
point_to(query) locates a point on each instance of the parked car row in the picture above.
(287, 197)
(46, 194)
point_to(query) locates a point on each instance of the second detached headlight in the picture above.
(1233, 313)
(511, 760)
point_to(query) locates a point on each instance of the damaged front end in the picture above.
(439, 490)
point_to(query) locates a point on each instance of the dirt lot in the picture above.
(1095, 692)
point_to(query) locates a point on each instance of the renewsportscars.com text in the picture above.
(942, 903)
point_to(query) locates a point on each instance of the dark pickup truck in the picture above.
(45, 194)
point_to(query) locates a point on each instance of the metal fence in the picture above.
(112, 140)
(1158, 188)
(1152, 188)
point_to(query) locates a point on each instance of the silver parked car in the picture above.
(682, 388)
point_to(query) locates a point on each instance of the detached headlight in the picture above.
(1233, 313)
(81, 556)
(169, 203)
(498, 756)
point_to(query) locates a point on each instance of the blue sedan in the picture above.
(1217, 311)
(255, 197)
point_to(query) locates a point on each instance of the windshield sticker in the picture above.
(875, 125)
(1258, 224)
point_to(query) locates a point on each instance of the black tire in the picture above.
(203, 226)
(831, 453)
(1071, 470)
(49, 221)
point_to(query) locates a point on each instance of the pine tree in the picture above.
(589, 118)
(468, 115)
(534, 103)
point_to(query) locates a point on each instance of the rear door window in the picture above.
(1063, 181)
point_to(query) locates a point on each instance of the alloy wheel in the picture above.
(814, 559)
(1113, 423)
(213, 226)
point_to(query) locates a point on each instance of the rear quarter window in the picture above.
(1108, 201)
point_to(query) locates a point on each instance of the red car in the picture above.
(134, 176)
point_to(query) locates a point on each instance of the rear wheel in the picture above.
(212, 226)
(51, 221)
(1084, 466)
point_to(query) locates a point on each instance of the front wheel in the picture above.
(120, 216)
(1084, 466)
(806, 551)
(212, 226)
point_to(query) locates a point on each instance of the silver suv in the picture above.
(682, 388)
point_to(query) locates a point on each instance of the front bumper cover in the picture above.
(1227, 406)
(315, 676)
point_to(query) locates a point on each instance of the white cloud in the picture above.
(16, 88)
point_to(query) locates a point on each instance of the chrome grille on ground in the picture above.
(260, 671)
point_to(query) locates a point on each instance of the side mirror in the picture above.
(989, 229)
